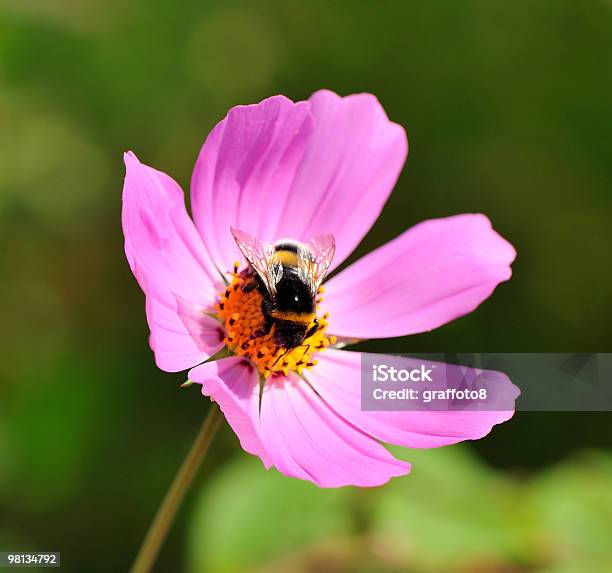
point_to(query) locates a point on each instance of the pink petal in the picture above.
(337, 379)
(245, 172)
(280, 169)
(352, 163)
(168, 259)
(431, 274)
(234, 384)
(308, 440)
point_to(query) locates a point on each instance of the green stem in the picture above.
(180, 486)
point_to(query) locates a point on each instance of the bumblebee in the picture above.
(288, 275)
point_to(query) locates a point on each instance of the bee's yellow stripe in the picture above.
(287, 258)
(303, 317)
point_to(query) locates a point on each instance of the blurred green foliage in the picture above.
(454, 514)
(508, 110)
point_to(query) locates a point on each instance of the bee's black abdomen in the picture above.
(286, 246)
(292, 294)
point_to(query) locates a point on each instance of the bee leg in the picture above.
(249, 287)
(313, 328)
(281, 356)
(257, 334)
(305, 351)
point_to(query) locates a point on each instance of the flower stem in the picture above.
(180, 486)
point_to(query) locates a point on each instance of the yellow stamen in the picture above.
(240, 309)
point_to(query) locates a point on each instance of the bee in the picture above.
(288, 275)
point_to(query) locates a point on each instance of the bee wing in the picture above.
(314, 259)
(261, 256)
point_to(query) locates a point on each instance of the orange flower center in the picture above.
(240, 309)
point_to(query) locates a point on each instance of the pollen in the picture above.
(240, 309)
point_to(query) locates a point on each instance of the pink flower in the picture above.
(281, 169)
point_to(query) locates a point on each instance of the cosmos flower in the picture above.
(280, 169)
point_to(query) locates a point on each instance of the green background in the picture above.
(508, 109)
